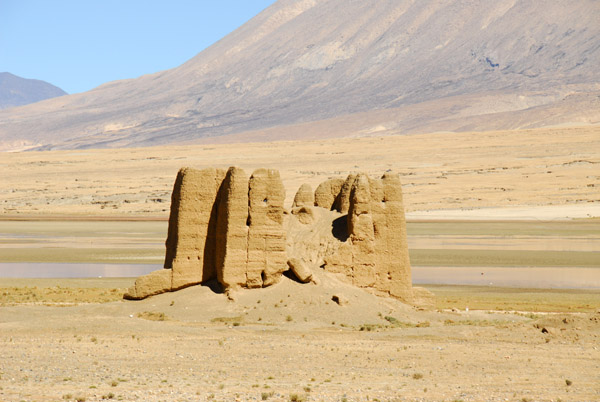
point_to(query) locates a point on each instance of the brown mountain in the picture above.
(17, 91)
(347, 67)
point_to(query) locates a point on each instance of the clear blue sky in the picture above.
(80, 44)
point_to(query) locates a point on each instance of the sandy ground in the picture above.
(506, 174)
(292, 342)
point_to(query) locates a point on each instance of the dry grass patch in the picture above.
(57, 295)
(152, 316)
(235, 321)
(514, 299)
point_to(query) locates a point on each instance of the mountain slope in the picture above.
(17, 91)
(313, 60)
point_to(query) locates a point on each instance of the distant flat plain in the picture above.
(431, 243)
(549, 173)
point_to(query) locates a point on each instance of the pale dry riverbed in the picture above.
(432, 243)
(515, 253)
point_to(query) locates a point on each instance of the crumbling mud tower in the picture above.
(224, 226)
(233, 228)
(375, 254)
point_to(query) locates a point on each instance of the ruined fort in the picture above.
(234, 229)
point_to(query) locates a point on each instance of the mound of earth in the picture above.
(289, 302)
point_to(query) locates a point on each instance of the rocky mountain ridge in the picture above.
(417, 66)
(17, 91)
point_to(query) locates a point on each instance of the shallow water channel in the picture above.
(521, 277)
(73, 270)
(518, 277)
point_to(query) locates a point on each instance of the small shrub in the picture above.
(568, 382)
(266, 395)
(417, 376)
(114, 383)
(296, 398)
(390, 319)
(152, 316)
(397, 323)
(289, 318)
(369, 327)
(228, 320)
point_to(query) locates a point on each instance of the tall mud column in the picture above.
(232, 230)
(191, 239)
(362, 236)
(395, 262)
(266, 238)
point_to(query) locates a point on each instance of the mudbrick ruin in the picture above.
(227, 227)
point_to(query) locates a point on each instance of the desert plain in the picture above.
(511, 200)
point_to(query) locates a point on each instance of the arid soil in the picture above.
(292, 342)
(527, 174)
